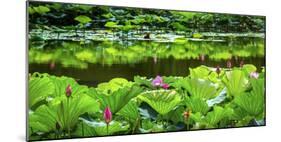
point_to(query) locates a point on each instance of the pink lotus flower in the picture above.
(68, 91)
(229, 64)
(165, 86)
(241, 63)
(107, 115)
(254, 75)
(202, 57)
(218, 70)
(186, 114)
(158, 81)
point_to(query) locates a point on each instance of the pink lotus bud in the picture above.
(254, 75)
(202, 57)
(218, 69)
(165, 86)
(229, 64)
(68, 91)
(158, 81)
(107, 115)
(52, 65)
(186, 114)
(241, 63)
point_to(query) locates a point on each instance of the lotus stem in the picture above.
(107, 126)
(68, 123)
(82, 129)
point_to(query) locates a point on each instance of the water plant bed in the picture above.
(104, 35)
(207, 98)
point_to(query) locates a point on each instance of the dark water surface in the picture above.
(95, 72)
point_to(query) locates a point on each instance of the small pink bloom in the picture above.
(218, 70)
(158, 81)
(229, 64)
(107, 115)
(68, 91)
(165, 86)
(52, 65)
(241, 63)
(202, 57)
(254, 75)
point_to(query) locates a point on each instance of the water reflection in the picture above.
(97, 62)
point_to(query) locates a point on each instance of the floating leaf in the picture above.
(111, 24)
(83, 19)
(41, 9)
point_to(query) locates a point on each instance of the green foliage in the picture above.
(83, 19)
(197, 35)
(61, 83)
(196, 104)
(62, 110)
(111, 25)
(248, 68)
(40, 9)
(215, 116)
(117, 99)
(163, 101)
(199, 72)
(148, 127)
(235, 82)
(39, 88)
(93, 128)
(199, 88)
(138, 107)
(130, 111)
(212, 118)
(253, 102)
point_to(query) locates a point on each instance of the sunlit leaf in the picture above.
(163, 101)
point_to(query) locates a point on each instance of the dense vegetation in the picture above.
(52, 17)
(224, 89)
(207, 98)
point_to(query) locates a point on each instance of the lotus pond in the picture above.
(158, 71)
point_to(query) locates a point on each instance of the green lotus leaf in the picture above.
(253, 102)
(62, 82)
(143, 81)
(111, 24)
(83, 19)
(41, 9)
(196, 104)
(94, 128)
(200, 72)
(215, 116)
(248, 68)
(118, 99)
(176, 115)
(200, 88)
(65, 113)
(163, 101)
(235, 82)
(113, 85)
(130, 111)
(148, 127)
(39, 88)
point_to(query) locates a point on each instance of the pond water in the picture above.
(91, 63)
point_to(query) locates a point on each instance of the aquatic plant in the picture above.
(60, 107)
